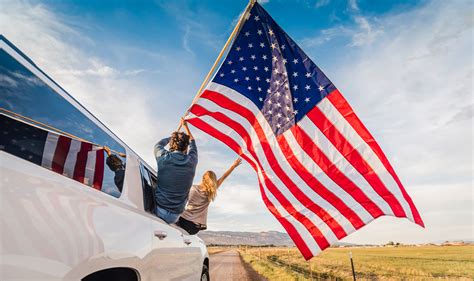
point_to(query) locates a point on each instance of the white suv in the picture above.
(59, 222)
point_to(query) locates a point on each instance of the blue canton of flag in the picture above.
(267, 66)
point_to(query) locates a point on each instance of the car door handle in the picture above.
(161, 234)
(187, 241)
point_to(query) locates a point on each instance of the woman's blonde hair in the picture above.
(209, 184)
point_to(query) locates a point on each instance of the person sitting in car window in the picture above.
(194, 217)
(175, 173)
(116, 165)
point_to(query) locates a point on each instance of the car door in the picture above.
(173, 256)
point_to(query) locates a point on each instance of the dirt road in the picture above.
(228, 266)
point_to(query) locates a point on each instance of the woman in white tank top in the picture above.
(194, 217)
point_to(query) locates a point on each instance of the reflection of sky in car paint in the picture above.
(24, 93)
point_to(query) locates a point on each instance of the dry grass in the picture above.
(378, 263)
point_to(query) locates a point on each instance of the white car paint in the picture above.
(55, 228)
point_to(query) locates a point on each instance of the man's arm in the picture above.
(160, 147)
(192, 152)
(229, 171)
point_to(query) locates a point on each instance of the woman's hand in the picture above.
(237, 162)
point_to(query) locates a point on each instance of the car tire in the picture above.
(205, 274)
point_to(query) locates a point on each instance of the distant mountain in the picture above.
(246, 238)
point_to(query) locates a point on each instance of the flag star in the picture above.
(295, 61)
(287, 118)
(287, 86)
(277, 82)
(270, 112)
(268, 80)
(271, 32)
(244, 68)
(221, 75)
(273, 46)
(257, 78)
(253, 57)
(268, 91)
(260, 99)
(308, 74)
(307, 87)
(306, 99)
(232, 71)
(278, 125)
(255, 68)
(283, 46)
(275, 58)
(287, 97)
(320, 88)
(259, 89)
(276, 71)
(269, 101)
(264, 57)
(247, 78)
(295, 100)
(287, 107)
(256, 18)
(250, 45)
(262, 45)
(279, 105)
(278, 93)
(241, 59)
(295, 112)
(259, 32)
(238, 49)
(285, 61)
(250, 88)
(295, 87)
(247, 34)
(229, 62)
(265, 68)
(295, 74)
(236, 80)
(279, 114)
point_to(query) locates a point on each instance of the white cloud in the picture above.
(352, 4)
(321, 3)
(53, 44)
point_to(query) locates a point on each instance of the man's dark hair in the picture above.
(179, 141)
(114, 162)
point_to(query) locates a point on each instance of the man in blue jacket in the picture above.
(175, 172)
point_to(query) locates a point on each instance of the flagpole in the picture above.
(219, 57)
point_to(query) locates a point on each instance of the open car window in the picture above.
(148, 185)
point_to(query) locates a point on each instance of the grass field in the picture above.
(377, 263)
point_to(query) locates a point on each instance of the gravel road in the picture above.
(228, 266)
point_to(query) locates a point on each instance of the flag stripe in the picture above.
(355, 159)
(372, 162)
(239, 129)
(277, 188)
(266, 148)
(320, 175)
(60, 154)
(336, 166)
(237, 121)
(71, 158)
(89, 168)
(341, 105)
(292, 228)
(99, 170)
(79, 169)
(311, 181)
(49, 149)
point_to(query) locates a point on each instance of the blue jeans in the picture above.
(166, 215)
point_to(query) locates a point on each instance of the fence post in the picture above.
(352, 265)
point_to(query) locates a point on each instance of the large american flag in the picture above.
(321, 173)
(76, 159)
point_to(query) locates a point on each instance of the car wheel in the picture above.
(205, 274)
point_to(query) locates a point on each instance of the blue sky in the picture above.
(405, 66)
